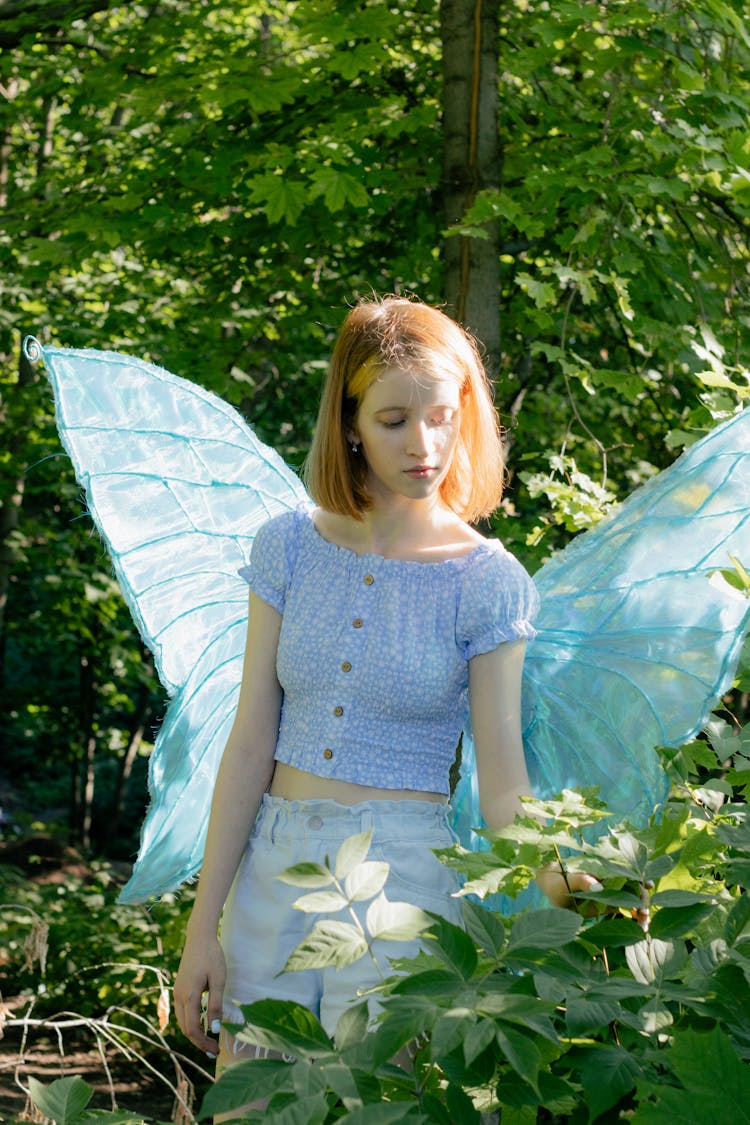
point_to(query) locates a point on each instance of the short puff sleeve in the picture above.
(272, 560)
(498, 603)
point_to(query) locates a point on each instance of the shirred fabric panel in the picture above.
(375, 677)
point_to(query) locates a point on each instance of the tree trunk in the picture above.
(86, 783)
(471, 163)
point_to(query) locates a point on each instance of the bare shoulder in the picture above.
(462, 537)
(337, 529)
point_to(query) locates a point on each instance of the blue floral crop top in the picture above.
(373, 652)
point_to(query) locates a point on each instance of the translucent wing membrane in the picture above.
(177, 485)
(639, 635)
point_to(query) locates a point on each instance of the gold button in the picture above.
(368, 580)
(357, 622)
(328, 754)
(338, 711)
(346, 666)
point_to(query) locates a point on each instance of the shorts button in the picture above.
(346, 666)
(368, 580)
(328, 754)
(338, 712)
(315, 822)
(357, 622)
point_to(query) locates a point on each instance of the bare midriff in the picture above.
(298, 785)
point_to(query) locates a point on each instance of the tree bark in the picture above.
(471, 163)
(87, 760)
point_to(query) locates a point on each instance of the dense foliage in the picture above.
(640, 1008)
(207, 185)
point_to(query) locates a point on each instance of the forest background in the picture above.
(208, 186)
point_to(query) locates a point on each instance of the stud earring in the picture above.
(355, 447)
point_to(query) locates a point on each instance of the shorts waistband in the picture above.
(326, 818)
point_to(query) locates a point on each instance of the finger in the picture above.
(192, 1026)
(215, 1007)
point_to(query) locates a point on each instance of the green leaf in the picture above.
(282, 199)
(522, 1054)
(608, 1074)
(541, 292)
(283, 1025)
(309, 1110)
(738, 923)
(330, 942)
(308, 1078)
(585, 1015)
(366, 880)
(339, 1077)
(338, 188)
(306, 875)
(526, 1011)
(652, 1018)
(64, 1100)
(449, 1032)
(402, 1021)
(431, 982)
(352, 852)
(679, 921)
(543, 929)
(613, 932)
(395, 921)
(453, 945)
(460, 1106)
(652, 960)
(352, 1025)
(485, 928)
(715, 1083)
(244, 1082)
(384, 1114)
(478, 1038)
(321, 902)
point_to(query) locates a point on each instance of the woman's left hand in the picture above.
(561, 889)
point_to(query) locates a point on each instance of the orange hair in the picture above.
(417, 338)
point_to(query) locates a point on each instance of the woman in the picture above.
(376, 621)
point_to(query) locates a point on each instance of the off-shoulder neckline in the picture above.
(306, 514)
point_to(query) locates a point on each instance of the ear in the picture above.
(351, 435)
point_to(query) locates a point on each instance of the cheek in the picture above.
(449, 437)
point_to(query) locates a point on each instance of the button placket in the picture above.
(358, 622)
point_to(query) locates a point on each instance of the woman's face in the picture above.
(407, 426)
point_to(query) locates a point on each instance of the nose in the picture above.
(419, 439)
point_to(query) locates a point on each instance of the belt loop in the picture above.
(367, 819)
(271, 813)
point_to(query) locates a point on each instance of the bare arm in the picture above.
(244, 775)
(495, 698)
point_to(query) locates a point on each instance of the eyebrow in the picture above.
(405, 409)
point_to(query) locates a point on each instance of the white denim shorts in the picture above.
(260, 927)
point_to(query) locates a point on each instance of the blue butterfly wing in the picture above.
(639, 633)
(177, 485)
(638, 636)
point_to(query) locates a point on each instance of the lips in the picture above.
(420, 471)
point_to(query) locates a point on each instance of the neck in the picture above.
(412, 522)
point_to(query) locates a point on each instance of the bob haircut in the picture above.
(396, 332)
